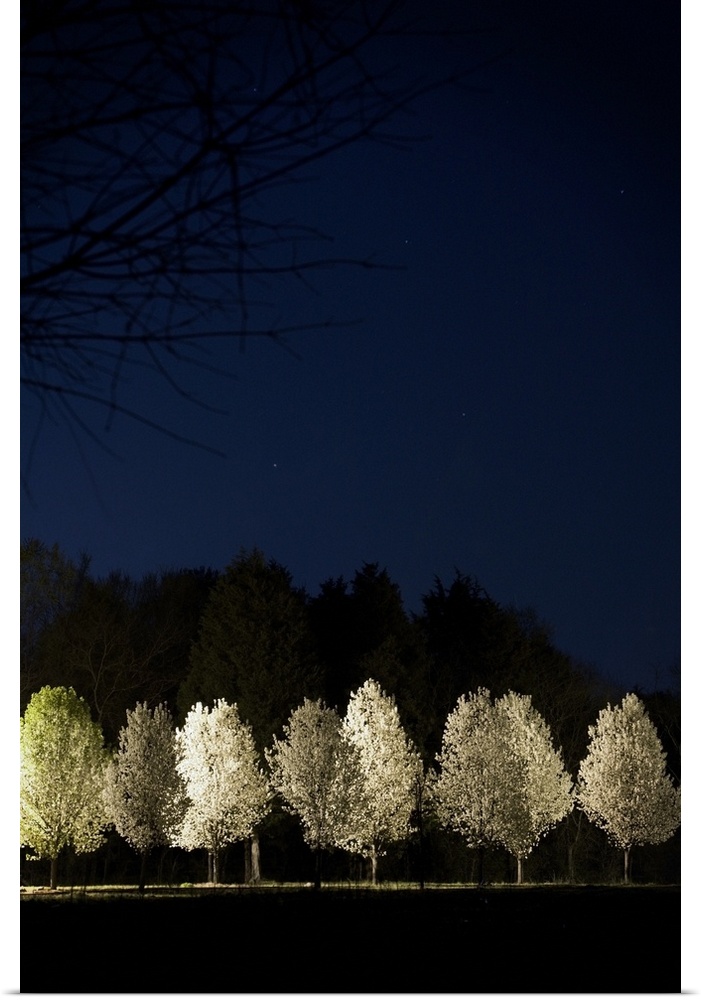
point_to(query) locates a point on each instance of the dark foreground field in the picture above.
(498, 939)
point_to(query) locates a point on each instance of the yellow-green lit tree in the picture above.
(62, 776)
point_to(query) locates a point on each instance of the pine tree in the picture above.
(254, 646)
(146, 793)
(315, 771)
(62, 776)
(389, 768)
(50, 584)
(623, 786)
(227, 792)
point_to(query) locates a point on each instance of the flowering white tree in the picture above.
(501, 780)
(623, 785)
(316, 772)
(228, 794)
(62, 776)
(145, 792)
(384, 797)
(542, 788)
(469, 794)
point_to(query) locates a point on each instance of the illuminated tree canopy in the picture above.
(544, 788)
(62, 776)
(316, 772)
(145, 791)
(501, 781)
(389, 768)
(357, 782)
(227, 792)
(623, 785)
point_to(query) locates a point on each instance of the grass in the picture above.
(169, 891)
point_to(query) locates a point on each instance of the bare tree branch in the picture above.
(153, 134)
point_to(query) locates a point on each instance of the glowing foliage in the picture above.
(469, 791)
(146, 794)
(501, 780)
(227, 792)
(62, 774)
(622, 785)
(542, 788)
(389, 769)
(312, 769)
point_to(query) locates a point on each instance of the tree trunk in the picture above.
(576, 822)
(252, 861)
(105, 867)
(519, 871)
(161, 861)
(53, 875)
(215, 867)
(255, 858)
(142, 874)
(626, 864)
(373, 859)
(317, 867)
(422, 877)
(480, 865)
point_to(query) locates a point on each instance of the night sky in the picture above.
(505, 402)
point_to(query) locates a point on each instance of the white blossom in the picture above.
(146, 793)
(310, 768)
(227, 792)
(389, 769)
(469, 791)
(501, 780)
(542, 792)
(623, 786)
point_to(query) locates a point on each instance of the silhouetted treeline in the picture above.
(249, 635)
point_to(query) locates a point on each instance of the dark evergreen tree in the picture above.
(475, 642)
(563, 691)
(255, 647)
(378, 609)
(460, 624)
(332, 622)
(402, 667)
(352, 621)
(50, 584)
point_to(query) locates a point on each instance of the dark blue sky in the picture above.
(507, 404)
